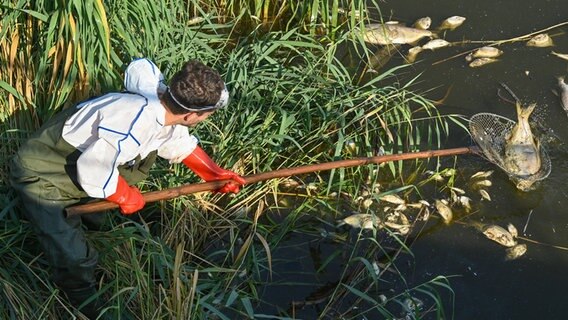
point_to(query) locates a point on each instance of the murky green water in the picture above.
(485, 286)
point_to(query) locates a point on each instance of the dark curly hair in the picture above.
(195, 86)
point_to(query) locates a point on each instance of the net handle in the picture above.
(282, 173)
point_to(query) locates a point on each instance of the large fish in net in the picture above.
(511, 145)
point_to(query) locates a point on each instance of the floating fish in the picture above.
(423, 23)
(481, 174)
(290, 183)
(563, 93)
(561, 55)
(516, 251)
(458, 190)
(445, 211)
(367, 203)
(484, 195)
(465, 202)
(481, 62)
(540, 40)
(402, 229)
(435, 44)
(499, 235)
(512, 230)
(522, 150)
(426, 214)
(382, 56)
(424, 202)
(387, 33)
(401, 207)
(484, 52)
(451, 23)
(361, 221)
(482, 184)
(413, 53)
(392, 198)
(416, 205)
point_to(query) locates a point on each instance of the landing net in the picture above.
(490, 132)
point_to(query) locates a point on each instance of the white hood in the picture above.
(143, 77)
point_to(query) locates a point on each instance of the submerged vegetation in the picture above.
(294, 101)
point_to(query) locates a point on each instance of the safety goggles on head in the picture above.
(223, 101)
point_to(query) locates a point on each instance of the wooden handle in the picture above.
(214, 185)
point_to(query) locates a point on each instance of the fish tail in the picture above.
(561, 80)
(524, 112)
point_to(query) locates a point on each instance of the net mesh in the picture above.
(490, 132)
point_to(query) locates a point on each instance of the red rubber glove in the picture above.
(128, 198)
(200, 163)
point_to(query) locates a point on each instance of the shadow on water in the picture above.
(484, 284)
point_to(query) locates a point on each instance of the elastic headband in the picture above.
(223, 101)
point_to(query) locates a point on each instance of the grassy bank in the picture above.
(293, 102)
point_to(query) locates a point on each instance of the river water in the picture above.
(485, 285)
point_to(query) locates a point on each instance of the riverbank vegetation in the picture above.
(294, 73)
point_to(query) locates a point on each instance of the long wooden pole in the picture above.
(213, 185)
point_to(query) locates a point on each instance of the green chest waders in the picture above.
(44, 174)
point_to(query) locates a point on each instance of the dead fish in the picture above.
(424, 202)
(481, 174)
(482, 184)
(361, 221)
(457, 190)
(398, 221)
(516, 251)
(512, 230)
(540, 40)
(522, 150)
(367, 203)
(392, 198)
(435, 44)
(484, 52)
(445, 211)
(465, 202)
(402, 229)
(423, 23)
(382, 56)
(563, 93)
(561, 55)
(401, 207)
(290, 183)
(499, 235)
(451, 23)
(386, 33)
(484, 195)
(416, 205)
(481, 62)
(413, 53)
